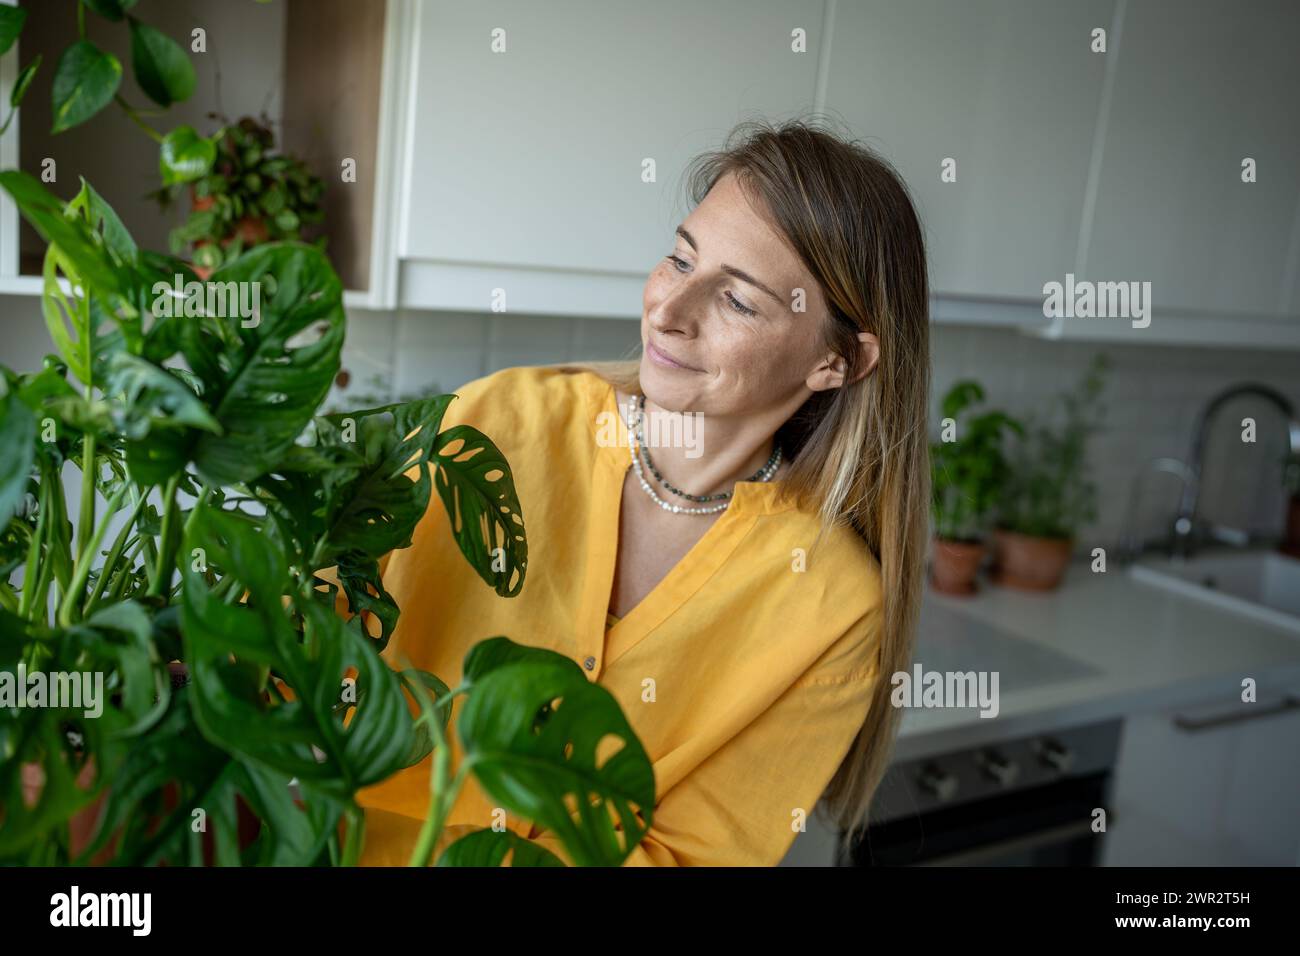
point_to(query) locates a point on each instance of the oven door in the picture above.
(1047, 825)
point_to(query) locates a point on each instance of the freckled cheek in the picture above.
(656, 289)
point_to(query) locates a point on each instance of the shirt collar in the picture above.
(607, 422)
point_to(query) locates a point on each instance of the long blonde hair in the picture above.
(859, 453)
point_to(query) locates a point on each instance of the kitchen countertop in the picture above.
(1103, 645)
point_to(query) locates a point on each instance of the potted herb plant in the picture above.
(220, 521)
(968, 471)
(251, 195)
(1050, 494)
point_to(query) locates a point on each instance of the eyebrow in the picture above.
(732, 270)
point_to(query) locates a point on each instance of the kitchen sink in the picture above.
(1262, 584)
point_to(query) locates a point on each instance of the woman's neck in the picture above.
(704, 454)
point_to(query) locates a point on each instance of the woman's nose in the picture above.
(682, 308)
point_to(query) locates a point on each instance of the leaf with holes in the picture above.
(477, 487)
(575, 767)
(263, 377)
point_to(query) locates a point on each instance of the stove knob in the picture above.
(937, 782)
(1052, 753)
(997, 767)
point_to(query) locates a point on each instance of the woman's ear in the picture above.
(870, 346)
(832, 373)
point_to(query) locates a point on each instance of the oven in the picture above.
(1028, 801)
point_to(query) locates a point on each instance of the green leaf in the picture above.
(262, 389)
(24, 78)
(11, 24)
(162, 68)
(68, 317)
(105, 224)
(493, 653)
(533, 755)
(487, 847)
(111, 9)
(374, 742)
(85, 81)
(185, 156)
(151, 408)
(478, 489)
(432, 685)
(152, 397)
(71, 234)
(377, 511)
(17, 450)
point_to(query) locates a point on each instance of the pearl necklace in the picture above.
(634, 429)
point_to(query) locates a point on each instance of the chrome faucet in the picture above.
(1186, 531)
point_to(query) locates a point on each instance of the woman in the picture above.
(745, 597)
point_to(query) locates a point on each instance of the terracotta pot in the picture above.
(953, 565)
(251, 230)
(1029, 563)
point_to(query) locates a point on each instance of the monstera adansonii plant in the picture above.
(217, 517)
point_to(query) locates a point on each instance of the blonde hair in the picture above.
(859, 453)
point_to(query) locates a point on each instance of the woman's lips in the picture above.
(660, 357)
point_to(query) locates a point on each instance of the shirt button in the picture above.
(589, 663)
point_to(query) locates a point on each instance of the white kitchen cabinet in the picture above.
(1223, 794)
(1009, 90)
(525, 165)
(1199, 86)
(318, 70)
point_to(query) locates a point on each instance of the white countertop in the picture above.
(1101, 646)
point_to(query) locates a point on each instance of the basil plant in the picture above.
(210, 519)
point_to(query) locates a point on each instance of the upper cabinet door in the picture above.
(1009, 90)
(1201, 86)
(534, 156)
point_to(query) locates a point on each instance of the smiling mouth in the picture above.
(660, 357)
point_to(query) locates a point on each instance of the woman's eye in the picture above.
(681, 265)
(740, 306)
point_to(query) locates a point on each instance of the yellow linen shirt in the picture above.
(746, 672)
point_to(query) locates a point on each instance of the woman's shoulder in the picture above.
(525, 394)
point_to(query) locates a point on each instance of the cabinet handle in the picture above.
(1195, 725)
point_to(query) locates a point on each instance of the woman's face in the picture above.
(722, 305)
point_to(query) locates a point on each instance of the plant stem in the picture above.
(124, 573)
(31, 573)
(443, 791)
(204, 492)
(356, 835)
(150, 552)
(134, 116)
(82, 571)
(114, 555)
(439, 806)
(162, 577)
(86, 519)
(81, 19)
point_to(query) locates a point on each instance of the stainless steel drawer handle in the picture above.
(1194, 724)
